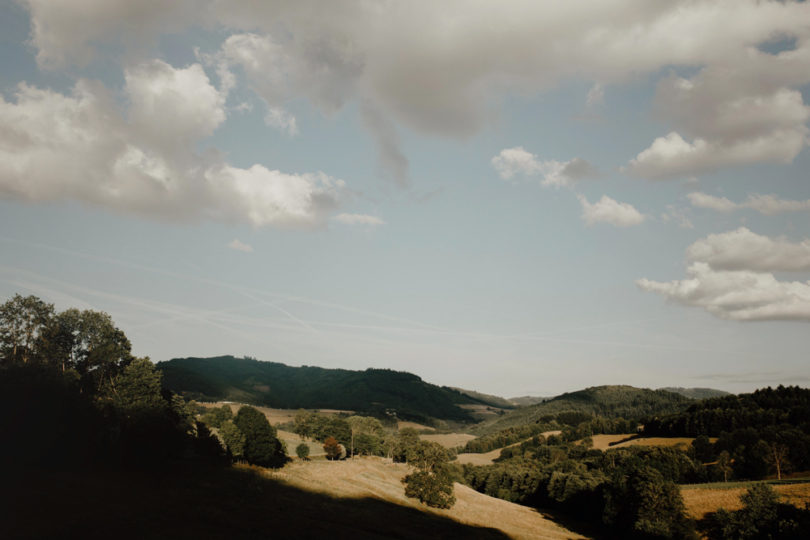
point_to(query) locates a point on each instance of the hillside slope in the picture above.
(610, 401)
(377, 478)
(281, 386)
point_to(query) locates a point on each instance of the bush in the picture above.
(302, 451)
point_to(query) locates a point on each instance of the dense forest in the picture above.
(374, 391)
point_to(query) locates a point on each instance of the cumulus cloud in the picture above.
(737, 113)
(764, 204)
(83, 146)
(513, 161)
(607, 210)
(236, 245)
(731, 276)
(359, 219)
(740, 295)
(745, 250)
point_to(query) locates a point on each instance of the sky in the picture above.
(512, 197)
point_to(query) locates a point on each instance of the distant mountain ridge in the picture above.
(696, 393)
(377, 391)
(487, 399)
(611, 401)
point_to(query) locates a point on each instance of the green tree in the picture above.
(22, 321)
(216, 416)
(137, 388)
(233, 438)
(724, 464)
(302, 451)
(432, 482)
(262, 447)
(304, 423)
(367, 428)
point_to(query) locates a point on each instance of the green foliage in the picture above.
(137, 389)
(432, 482)
(216, 416)
(262, 447)
(276, 385)
(233, 438)
(644, 503)
(302, 451)
(406, 439)
(433, 489)
(505, 437)
(762, 516)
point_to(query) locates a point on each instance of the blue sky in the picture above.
(517, 198)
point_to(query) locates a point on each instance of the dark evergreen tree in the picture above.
(262, 447)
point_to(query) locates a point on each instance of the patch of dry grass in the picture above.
(402, 424)
(448, 440)
(701, 501)
(381, 479)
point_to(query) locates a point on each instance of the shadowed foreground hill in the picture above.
(229, 503)
(609, 401)
(285, 387)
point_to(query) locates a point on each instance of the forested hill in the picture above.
(609, 401)
(281, 386)
(768, 407)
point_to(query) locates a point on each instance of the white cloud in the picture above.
(703, 200)
(738, 113)
(596, 95)
(82, 146)
(740, 295)
(236, 245)
(730, 276)
(281, 119)
(607, 210)
(359, 219)
(764, 204)
(173, 106)
(744, 250)
(514, 161)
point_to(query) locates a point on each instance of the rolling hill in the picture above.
(376, 391)
(610, 401)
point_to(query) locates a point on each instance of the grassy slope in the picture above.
(705, 498)
(281, 386)
(610, 401)
(379, 478)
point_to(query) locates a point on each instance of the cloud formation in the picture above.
(764, 204)
(440, 67)
(513, 161)
(607, 210)
(745, 250)
(83, 146)
(359, 219)
(731, 276)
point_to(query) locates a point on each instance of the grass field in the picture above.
(377, 478)
(701, 499)
(448, 440)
